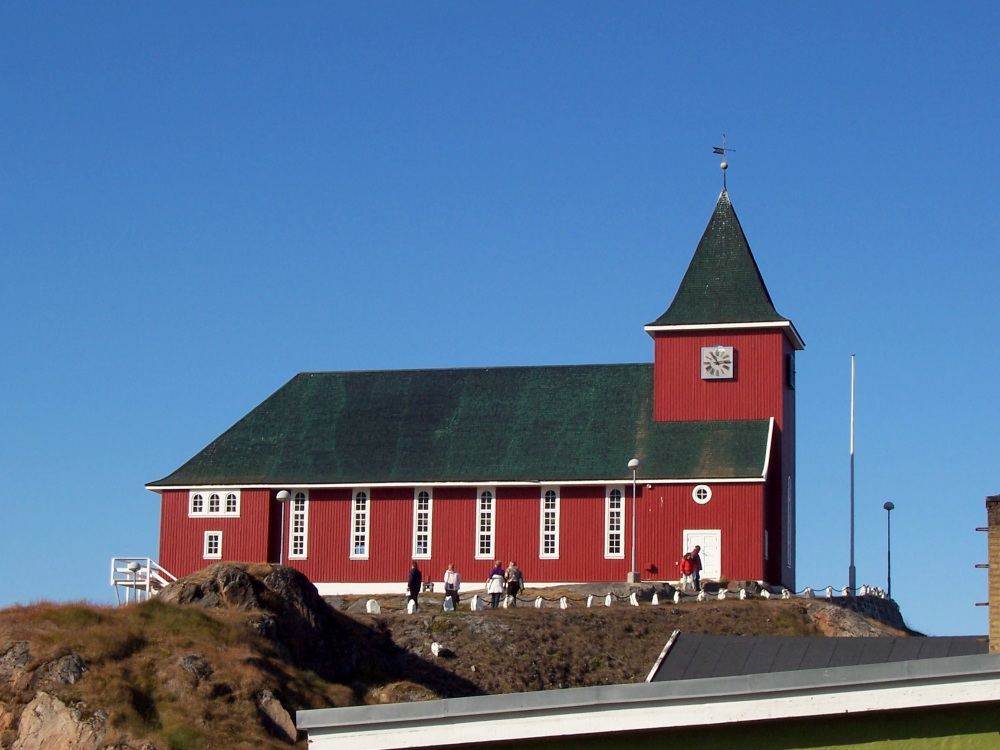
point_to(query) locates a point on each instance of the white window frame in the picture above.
(701, 494)
(360, 523)
(610, 515)
(426, 516)
(212, 537)
(298, 525)
(546, 534)
(220, 500)
(485, 524)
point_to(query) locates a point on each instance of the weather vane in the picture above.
(721, 151)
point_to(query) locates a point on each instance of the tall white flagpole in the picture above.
(851, 577)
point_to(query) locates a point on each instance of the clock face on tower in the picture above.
(717, 362)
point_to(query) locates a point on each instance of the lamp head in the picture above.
(284, 496)
(633, 464)
(889, 506)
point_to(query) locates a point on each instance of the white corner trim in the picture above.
(767, 452)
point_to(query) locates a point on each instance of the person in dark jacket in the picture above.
(415, 582)
(696, 567)
(514, 580)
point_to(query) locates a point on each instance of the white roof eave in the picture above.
(785, 325)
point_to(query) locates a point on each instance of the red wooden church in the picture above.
(529, 463)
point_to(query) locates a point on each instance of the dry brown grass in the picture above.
(525, 649)
(133, 658)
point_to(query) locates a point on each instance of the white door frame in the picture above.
(710, 541)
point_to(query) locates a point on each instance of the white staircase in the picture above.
(136, 579)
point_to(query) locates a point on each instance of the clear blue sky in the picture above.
(200, 200)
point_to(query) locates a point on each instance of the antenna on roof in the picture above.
(721, 151)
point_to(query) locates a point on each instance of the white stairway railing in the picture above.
(136, 579)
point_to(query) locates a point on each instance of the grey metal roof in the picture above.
(695, 703)
(695, 656)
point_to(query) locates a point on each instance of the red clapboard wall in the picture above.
(755, 391)
(662, 513)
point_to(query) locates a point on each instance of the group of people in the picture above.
(510, 581)
(691, 569)
(415, 583)
(500, 581)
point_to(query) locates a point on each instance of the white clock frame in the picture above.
(717, 362)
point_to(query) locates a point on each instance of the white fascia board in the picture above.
(657, 706)
(477, 483)
(204, 487)
(785, 325)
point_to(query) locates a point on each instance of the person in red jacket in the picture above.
(687, 568)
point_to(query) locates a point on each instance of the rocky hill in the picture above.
(223, 658)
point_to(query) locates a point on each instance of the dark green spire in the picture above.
(723, 283)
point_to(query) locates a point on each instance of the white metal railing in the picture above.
(136, 579)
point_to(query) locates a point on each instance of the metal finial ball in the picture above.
(724, 165)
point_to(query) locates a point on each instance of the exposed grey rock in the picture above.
(288, 610)
(751, 587)
(47, 723)
(266, 626)
(197, 666)
(226, 584)
(13, 659)
(65, 670)
(275, 718)
(663, 591)
(358, 607)
(833, 617)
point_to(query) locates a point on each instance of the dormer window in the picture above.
(214, 503)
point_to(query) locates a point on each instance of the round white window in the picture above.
(701, 494)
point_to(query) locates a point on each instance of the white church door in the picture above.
(710, 541)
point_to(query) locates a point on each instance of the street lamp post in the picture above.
(283, 497)
(633, 576)
(888, 547)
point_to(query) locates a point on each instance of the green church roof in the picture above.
(722, 284)
(510, 424)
